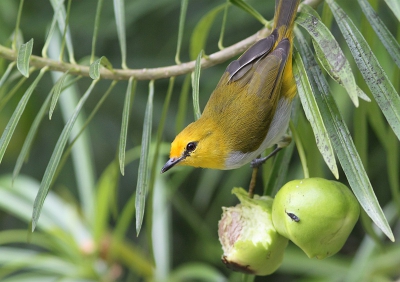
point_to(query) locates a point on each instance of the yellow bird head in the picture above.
(200, 144)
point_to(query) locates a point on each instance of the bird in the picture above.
(249, 110)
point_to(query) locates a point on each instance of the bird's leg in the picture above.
(260, 161)
(252, 184)
(285, 141)
(256, 163)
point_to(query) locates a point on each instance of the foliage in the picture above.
(63, 57)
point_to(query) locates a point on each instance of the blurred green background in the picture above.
(188, 201)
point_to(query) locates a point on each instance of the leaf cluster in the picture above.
(346, 117)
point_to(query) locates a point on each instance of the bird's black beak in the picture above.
(170, 163)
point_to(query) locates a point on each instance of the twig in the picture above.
(140, 74)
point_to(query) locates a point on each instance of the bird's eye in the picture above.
(190, 147)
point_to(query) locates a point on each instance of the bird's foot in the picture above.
(284, 142)
(256, 163)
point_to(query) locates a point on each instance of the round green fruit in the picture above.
(316, 214)
(248, 237)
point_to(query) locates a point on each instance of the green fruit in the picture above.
(316, 214)
(248, 237)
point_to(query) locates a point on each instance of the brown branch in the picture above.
(140, 74)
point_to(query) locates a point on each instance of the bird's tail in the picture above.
(285, 13)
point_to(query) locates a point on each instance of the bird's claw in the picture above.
(257, 162)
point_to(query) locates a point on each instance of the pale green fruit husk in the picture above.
(248, 237)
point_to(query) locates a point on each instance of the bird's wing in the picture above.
(262, 96)
(238, 68)
(268, 72)
(249, 102)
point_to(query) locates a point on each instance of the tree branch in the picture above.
(140, 74)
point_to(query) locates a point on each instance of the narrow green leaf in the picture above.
(23, 155)
(315, 162)
(129, 96)
(362, 95)
(155, 164)
(9, 236)
(221, 34)
(248, 9)
(387, 39)
(82, 130)
(305, 8)
(322, 57)
(106, 187)
(119, 11)
(153, 218)
(333, 269)
(196, 87)
(58, 213)
(23, 57)
(323, 61)
(313, 114)
(55, 158)
(160, 130)
(326, 15)
(31, 277)
(394, 5)
(143, 173)
(300, 149)
(17, 31)
(342, 141)
(21, 259)
(52, 28)
(12, 124)
(61, 13)
(6, 73)
(329, 53)
(182, 18)
(360, 132)
(161, 221)
(369, 228)
(183, 102)
(81, 156)
(200, 33)
(158, 217)
(391, 145)
(18, 38)
(84, 174)
(65, 31)
(279, 170)
(96, 29)
(377, 123)
(124, 220)
(56, 91)
(17, 205)
(4, 100)
(393, 164)
(94, 70)
(374, 76)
